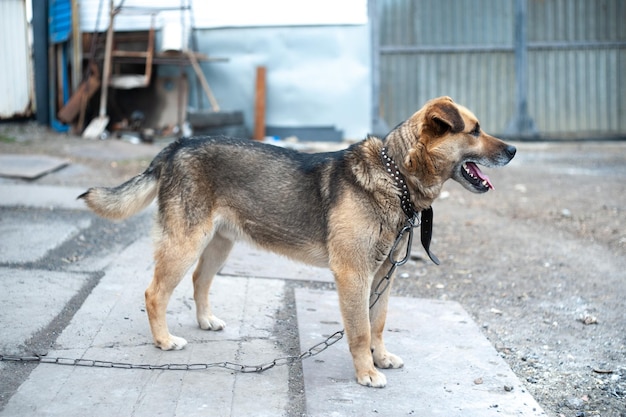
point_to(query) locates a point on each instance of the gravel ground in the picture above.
(539, 262)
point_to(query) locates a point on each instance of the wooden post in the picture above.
(77, 48)
(259, 104)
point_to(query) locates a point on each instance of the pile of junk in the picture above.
(132, 84)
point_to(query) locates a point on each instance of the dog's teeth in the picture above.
(485, 183)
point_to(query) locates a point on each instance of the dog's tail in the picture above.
(117, 203)
(124, 200)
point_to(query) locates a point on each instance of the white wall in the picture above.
(225, 13)
(316, 75)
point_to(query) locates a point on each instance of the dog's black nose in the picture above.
(510, 151)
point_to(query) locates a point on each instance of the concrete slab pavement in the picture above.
(444, 351)
(32, 298)
(18, 229)
(41, 196)
(29, 166)
(112, 326)
(449, 368)
(25, 311)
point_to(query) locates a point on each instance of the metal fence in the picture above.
(556, 68)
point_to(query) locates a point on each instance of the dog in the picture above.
(340, 210)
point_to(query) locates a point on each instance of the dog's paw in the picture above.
(388, 360)
(372, 378)
(211, 323)
(173, 343)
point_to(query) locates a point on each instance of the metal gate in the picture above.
(553, 68)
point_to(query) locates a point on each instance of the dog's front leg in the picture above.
(353, 289)
(378, 316)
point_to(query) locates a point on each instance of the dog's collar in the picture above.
(425, 217)
(405, 198)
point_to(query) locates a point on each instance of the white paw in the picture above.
(373, 379)
(388, 360)
(211, 323)
(173, 343)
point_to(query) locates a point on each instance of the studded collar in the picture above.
(405, 198)
(423, 219)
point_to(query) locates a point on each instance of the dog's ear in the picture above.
(443, 116)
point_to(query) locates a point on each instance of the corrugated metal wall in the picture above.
(577, 66)
(465, 49)
(16, 75)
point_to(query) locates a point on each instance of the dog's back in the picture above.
(276, 194)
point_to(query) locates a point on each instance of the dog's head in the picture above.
(444, 140)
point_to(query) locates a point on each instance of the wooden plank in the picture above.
(203, 81)
(259, 104)
(84, 92)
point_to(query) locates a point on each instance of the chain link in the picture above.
(384, 283)
(287, 360)
(314, 350)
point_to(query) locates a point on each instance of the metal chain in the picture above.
(314, 350)
(287, 360)
(384, 283)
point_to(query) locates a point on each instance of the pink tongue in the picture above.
(478, 173)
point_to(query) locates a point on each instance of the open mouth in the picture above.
(475, 177)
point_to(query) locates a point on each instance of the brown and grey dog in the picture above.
(339, 210)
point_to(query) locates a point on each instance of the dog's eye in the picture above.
(476, 130)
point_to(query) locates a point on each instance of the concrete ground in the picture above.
(473, 344)
(451, 371)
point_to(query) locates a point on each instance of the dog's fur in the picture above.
(340, 210)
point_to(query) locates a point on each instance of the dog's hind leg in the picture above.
(378, 316)
(174, 255)
(210, 262)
